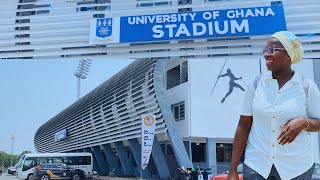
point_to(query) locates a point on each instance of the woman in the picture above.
(276, 117)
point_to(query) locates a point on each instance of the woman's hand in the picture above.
(291, 130)
(233, 175)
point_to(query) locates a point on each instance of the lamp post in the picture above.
(82, 72)
(12, 137)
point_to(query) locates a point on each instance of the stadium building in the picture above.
(181, 47)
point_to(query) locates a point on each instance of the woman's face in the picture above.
(277, 60)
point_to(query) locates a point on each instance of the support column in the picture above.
(95, 163)
(100, 160)
(136, 151)
(159, 159)
(112, 160)
(173, 131)
(187, 146)
(126, 166)
(211, 153)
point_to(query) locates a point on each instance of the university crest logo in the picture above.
(104, 27)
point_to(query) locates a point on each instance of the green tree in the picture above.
(1, 158)
(5, 159)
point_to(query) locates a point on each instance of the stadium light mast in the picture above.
(82, 72)
(12, 137)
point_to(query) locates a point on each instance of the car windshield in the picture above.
(19, 163)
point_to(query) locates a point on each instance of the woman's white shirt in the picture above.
(271, 108)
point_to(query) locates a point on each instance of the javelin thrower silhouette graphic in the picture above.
(232, 84)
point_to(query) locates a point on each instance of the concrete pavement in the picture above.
(113, 178)
(6, 176)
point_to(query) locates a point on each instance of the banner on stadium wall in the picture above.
(61, 135)
(188, 25)
(147, 137)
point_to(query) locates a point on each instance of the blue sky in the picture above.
(33, 91)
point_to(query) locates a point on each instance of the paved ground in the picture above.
(113, 178)
(7, 177)
(110, 178)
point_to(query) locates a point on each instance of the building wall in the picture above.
(64, 31)
(179, 94)
(7, 14)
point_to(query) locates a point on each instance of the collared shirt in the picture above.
(271, 108)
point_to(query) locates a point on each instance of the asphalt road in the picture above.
(6, 176)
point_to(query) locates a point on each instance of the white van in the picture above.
(81, 161)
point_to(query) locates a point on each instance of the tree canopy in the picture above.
(5, 159)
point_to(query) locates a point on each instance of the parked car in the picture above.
(224, 176)
(49, 171)
(12, 170)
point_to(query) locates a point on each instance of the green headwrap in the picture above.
(292, 45)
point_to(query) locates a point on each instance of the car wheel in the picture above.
(45, 177)
(76, 177)
(14, 173)
(30, 177)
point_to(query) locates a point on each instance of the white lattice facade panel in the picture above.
(60, 29)
(302, 17)
(110, 113)
(7, 11)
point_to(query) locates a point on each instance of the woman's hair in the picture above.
(292, 45)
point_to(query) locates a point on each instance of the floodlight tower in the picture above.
(12, 137)
(82, 72)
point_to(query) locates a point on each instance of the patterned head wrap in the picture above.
(292, 45)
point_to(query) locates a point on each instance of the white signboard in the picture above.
(147, 136)
(217, 87)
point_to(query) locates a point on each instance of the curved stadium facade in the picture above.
(111, 114)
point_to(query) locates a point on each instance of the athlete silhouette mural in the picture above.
(232, 84)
